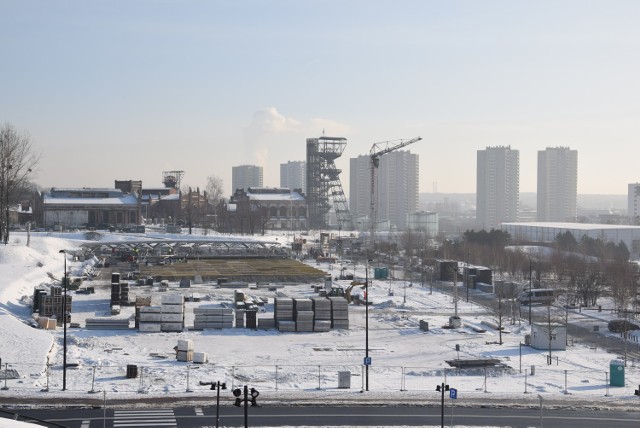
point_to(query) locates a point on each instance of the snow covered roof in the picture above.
(572, 226)
(273, 194)
(123, 200)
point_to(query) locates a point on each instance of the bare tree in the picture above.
(17, 162)
(554, 320)
(215, 195)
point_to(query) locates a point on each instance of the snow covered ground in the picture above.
(407, 363)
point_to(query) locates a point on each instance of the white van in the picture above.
(540, 296)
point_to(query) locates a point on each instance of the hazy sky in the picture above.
(128, 89)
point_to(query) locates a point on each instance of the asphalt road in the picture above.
(336, 416)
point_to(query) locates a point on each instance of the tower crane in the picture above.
(378, 150)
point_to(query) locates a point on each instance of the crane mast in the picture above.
(378, 150)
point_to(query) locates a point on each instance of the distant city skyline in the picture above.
(125, 90)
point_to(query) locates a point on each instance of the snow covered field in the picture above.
(407, 363)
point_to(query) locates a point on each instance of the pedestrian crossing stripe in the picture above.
(144, 418)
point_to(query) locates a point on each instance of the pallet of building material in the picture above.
(212, 311)
(266, 323)
(304, 326)
(171, 326)
(107, 323)
(252, 319)
(212, 325)
(143, 301)
(283, 309)
(150, 327)
(172, 309)
(215, 318)
(304, 316)
(185, 356)
(302, 305)
(47, 323)
(151, 309)
(321, 326)
(340, 324)
(185, 283)
(185, 345)
(240, 320)
(236, 284)
(172, 299)
(115, 309)
(322, 308)
(150, 317)
(169, 317)
(200, 357)
(286, 326)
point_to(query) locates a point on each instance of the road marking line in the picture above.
(199, 411)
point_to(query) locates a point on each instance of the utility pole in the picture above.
(530, 288)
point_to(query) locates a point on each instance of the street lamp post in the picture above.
(64, 324)
(366, 326)
(442, 388)
(530, 287)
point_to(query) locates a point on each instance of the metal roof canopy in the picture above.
(152, 244)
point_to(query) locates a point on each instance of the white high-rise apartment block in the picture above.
(245, 176)
(557, 185)
(293, 175)
(633, 203)
(498, 186)
(397, 186)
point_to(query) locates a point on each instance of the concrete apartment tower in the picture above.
(245, 176)
(557, 185)
(293, 175)
(397, 187)
(633, 203)
(498, 186)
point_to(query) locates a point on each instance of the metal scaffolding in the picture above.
(323, 182)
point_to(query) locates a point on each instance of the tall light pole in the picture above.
(530, 287)
(367, 361)
(64, 324)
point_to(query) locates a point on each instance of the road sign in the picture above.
(453, 393)
(367, 361)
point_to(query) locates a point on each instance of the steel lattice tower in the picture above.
(323, 182)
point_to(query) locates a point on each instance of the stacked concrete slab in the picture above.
(107, 324)
(283, 314)
(303, 310)
(322, 314)
(339, 313)
(150, 319)
(172, 312)
(212, 318)
(266, 323)
(240, 316)
(185, 350)
(283, 308)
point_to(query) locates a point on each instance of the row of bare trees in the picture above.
(18, 160)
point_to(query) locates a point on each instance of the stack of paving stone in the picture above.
(339, 313)
(303, 309)
(266, 323)
(172, 312)
(216, 318)
(185, 350)
(240, 310)
(322, 314)
(283, 314)
(107, 324)
(150, 319)
(124, 294)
